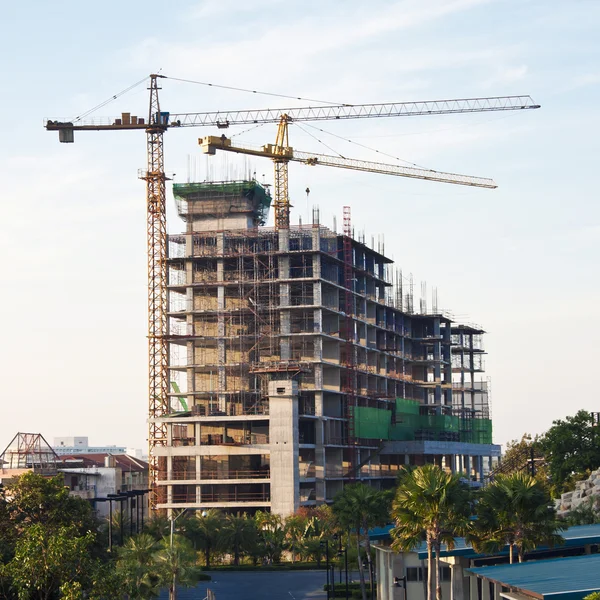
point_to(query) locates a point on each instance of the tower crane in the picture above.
(155, 126)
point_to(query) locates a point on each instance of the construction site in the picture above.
(298, 364)
(285, 362)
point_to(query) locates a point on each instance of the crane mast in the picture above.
(156, 215)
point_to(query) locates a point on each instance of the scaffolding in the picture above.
(249, 305)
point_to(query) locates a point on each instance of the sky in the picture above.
(521, 260)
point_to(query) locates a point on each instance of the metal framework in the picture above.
(29, 451)
(157, 285)
(212, 143)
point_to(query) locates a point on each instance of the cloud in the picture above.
(289, 48)
(504, 75)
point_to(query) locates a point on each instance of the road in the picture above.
(257, 585)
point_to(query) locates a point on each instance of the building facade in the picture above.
(298, 364)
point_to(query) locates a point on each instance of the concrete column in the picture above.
(283, 434)
(467, 464)
(457, 581)
(480, 468)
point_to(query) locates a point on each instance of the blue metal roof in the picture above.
(560, 578)
(574, 536)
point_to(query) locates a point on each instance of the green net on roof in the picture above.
(249, 189)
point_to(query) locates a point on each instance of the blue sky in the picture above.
(520, 260)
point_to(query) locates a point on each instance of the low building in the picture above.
(66, 446)
(403, 575)
(571, 578)
(97, 476)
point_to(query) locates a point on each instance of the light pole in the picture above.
(345, 553)
(172, 591)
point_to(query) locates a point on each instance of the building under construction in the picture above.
(298, 364)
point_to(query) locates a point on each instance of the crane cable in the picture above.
(357, 144)
(89, 112)
(237, 89)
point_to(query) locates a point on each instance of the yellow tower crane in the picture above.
(155, 126)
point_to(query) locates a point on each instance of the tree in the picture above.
(177, 564)
(525, 455)
(272, 535)
(45, 501)
(296, 527)
(572, 447)
(434, 506)
(515, 511)
(238, 535)
(361, 507)
(158, 526)
(45, 560)
(136, 567)
(206, 532)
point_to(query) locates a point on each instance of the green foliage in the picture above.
(571, 447)
(592, 596)
(46, 560)
(434, 506)
(37, 500)
(158, 526)
(514, 510)
(48, 542)
(176, 564)
(361, 507)
(204, 530)
(135, 567)
(238, 535)
(271, 537)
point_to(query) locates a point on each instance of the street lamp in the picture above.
(345, 553)
(172, 534)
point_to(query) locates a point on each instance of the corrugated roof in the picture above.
(124, 461)
(573, 577)
(574, 536)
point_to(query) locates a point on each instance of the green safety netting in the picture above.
(372, 423)
(375, 423)
(250, 189)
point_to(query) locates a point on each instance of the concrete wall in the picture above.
(283, 431)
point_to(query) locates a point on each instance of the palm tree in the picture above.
(272, 536)
(238, 535)
(158, 526)
(361, 507)
(295, 528)
(136, 567)
(515, 511)
(176, 563)
(204, 530)
(434, 506)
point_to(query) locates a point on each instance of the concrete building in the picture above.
(95, 475)
(80, 445)
(298, 364)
